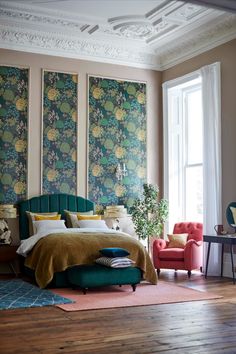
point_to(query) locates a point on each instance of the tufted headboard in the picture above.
(50, 203)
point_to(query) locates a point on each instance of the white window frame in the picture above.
(166, 121)
(212, 160)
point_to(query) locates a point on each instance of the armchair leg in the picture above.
(158, 272)
(189, 273)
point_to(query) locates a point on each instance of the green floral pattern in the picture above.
(117, 134)
(13, 133)
(59, 133)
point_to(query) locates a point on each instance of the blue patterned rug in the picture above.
(18, 293)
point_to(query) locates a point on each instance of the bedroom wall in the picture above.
(37, 62)
(226, 54)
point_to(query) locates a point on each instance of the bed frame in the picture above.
(50, 203)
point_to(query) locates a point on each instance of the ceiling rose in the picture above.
(137, 30)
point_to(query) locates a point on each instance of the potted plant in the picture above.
(149, 213)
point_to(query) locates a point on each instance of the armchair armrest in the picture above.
(158, 245)
(192, 242)
(193, 254)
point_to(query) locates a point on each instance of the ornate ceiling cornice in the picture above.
(57, 33)
(163, 37)
(59, 44)
(217, 34)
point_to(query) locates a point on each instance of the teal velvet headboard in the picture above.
(50, 203)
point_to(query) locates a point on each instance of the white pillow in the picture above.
(96, 224)
(48, 225)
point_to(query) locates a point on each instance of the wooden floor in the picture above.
(190, 327)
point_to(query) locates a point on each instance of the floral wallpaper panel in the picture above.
(117, 134)
(13, 133)
(59, 161)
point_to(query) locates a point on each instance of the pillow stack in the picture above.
(84, 220)
(72, 219)
(114, 258)
(32, 217)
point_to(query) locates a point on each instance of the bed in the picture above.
(48, 260)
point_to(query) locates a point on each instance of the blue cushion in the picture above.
(114, 252)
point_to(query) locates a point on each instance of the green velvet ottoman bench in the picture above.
(89, 276)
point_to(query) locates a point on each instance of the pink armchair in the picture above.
(187, 258)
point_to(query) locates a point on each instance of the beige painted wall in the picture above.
(37, 62)
(226, 55)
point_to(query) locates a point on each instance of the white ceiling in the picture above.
(155, 34)
(100, 9)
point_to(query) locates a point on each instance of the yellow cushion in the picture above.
(233, 211)
(31, 218)
(177, 240)
(88, 217)
(47, 217)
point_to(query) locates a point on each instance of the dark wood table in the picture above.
(223, 240)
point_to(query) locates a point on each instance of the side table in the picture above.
(9, 256)
(223, 240)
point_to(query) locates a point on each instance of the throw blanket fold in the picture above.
(57, 252)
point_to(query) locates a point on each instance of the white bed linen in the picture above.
(27, 244)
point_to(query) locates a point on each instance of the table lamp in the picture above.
(115, 212)
(7, 211)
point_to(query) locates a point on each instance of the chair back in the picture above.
(194, 230)
(229, 215)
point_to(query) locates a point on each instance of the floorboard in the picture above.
(198, 327)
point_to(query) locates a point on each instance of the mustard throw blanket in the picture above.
(57, 252)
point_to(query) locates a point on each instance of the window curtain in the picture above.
(212, 178)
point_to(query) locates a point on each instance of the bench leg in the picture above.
(84, 290)
(76, 287)
(134, 286)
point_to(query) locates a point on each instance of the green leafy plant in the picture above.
(149, 213)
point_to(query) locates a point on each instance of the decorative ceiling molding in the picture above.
(191, 46)
(54, 44)
(171, 32)
(38, 16)
(226, 5)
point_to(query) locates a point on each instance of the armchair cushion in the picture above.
(169, 254)
(177, 240)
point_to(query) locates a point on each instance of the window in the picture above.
(183, 144)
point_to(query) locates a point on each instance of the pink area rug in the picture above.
(145, 294)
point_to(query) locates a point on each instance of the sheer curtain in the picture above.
(212, 179)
